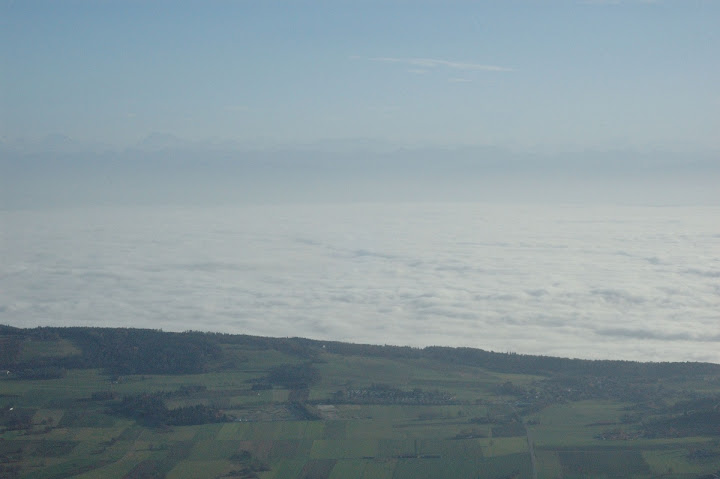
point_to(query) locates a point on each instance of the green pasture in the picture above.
(677, 461)
(548, 464)
(379, 469)
(344, 448)
(53, 393)
(286, 468)
(627, 463)
(271, 430)
(348, 469)
(466, 382)
(193, 469)
(412, 414)
(506, 445)
(209, 449)
(436, 467)
(146, 383)
(459, 449)
(115, 470)
(49, 416)
(576, 423)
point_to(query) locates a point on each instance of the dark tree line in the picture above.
(292, 376)
(143, 351)
(120, 351)
(150, 410)
(9, 351)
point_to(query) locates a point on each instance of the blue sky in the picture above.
(550, 76)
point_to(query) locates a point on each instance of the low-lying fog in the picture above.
(588, 281)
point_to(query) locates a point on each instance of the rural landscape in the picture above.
(360, 239)
(133, 403)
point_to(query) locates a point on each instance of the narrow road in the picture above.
(531, 446)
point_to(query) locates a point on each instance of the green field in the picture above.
(81, 403)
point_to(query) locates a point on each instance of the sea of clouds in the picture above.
(618, 282)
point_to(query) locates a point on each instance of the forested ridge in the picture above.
(148, 351)
(171, 400)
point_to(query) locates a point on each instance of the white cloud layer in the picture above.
(434, 63)
(592, 282)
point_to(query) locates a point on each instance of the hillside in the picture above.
(126, 403)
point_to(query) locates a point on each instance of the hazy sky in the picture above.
(556, 75)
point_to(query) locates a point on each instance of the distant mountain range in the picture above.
(167, 169)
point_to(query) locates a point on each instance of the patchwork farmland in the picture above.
(86, 402)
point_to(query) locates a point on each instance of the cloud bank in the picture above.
(434, 63)
(592, 282)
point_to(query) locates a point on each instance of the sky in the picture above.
(549, 76)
